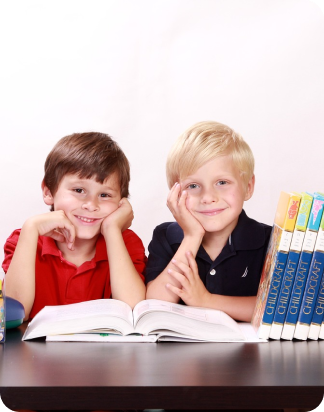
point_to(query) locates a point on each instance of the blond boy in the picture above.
(212, 256)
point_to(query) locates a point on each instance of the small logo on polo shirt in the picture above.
(245, 272)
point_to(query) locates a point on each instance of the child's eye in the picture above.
(105, 195)
(192, 186)
(221, 182)
(78, 190)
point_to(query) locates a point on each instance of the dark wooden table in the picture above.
(55, 375)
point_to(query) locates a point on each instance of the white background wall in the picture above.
(143, 71)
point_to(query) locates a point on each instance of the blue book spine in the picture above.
(318, 314)
(310, 296)
(313, 331)
(297, 293)
(275, 285)
(286, 288)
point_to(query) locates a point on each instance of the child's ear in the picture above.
(47, 195)
(250, 188)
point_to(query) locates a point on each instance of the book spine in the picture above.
(275, 285)
(265, 274)
(313, 330)
(318, 314)
(284, 295)
(310, 296)
(321, 332)
(296, 296)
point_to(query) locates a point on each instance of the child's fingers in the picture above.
(58, 236)
(124, 202)
(127, 212)
(68, 231)
(173, 196)
(183, 280)
(192, 263)
(65, 226)
(182, 199)
(184, 269)
(171, 192)
(69, 238)
(175, 290)
(182, 205)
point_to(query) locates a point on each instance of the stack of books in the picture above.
(290, 299)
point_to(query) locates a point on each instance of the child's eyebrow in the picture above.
(109, 188)
(81, 182)
(189, 178)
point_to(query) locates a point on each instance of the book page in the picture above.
(250, 333)
(155, 316)
(154, 305)
(102, 337)
(246, 328)
(78, 317)
(201, 314)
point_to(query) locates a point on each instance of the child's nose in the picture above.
(91, 205)
(209, 196)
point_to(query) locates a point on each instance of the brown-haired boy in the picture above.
(82, 249)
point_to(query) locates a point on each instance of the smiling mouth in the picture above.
(212, 212)
(86, 219)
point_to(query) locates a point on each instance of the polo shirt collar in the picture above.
(248, 234)
(49, 248)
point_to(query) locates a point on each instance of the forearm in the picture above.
(126, 284)
(20, 277)
(237, 307)
(156, 289)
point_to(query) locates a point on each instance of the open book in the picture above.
(150, 321)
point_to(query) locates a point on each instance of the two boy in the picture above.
(211, 256)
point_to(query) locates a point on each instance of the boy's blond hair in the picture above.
(205, 141)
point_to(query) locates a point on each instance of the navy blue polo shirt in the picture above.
(237, 269)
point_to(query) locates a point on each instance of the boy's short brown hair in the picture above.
(89, 155)
(205, 141)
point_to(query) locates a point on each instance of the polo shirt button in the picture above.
(213, 272)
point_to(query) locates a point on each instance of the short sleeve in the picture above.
(9, 249)
(160, 252)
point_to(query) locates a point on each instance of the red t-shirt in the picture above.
(59, 282)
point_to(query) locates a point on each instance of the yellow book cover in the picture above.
(276, 256)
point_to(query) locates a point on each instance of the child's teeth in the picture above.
(86, 220)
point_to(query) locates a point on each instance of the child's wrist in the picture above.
(111, 230)
(195, 238)
(191, 243)
(208, 300)
(30, 226)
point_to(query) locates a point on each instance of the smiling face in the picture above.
(216, 193)
(85, 202)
